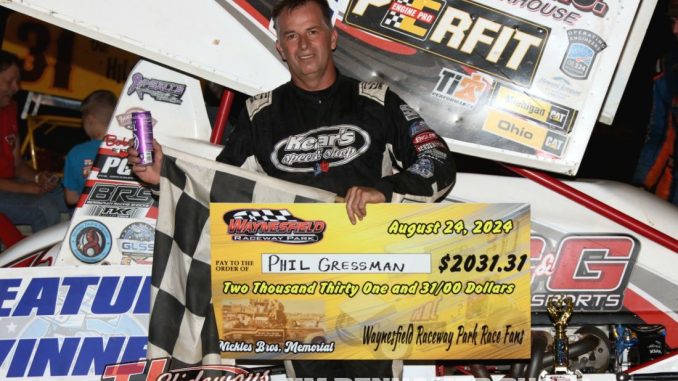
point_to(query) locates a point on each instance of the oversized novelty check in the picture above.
(410, 281)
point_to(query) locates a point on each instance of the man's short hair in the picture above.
(99, 102)
(289, 5)
(8, 59)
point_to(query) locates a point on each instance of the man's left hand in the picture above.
(357, 199)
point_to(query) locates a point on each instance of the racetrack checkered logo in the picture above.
(274, 225)
(265, 215)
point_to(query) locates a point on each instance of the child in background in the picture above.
(97, 110)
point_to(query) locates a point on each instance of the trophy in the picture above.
(560, 309)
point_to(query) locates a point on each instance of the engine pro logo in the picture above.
(413, 18)
(274, 225)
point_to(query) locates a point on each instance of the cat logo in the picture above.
(466, 32)
(554, 144)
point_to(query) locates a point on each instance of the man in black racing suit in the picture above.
(329, 131)
(333, 132)
(340, 137)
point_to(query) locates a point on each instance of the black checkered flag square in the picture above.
(265, 215)
(182, 323)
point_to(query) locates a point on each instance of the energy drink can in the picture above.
(143, 136)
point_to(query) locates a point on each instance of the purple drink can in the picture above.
(143, 136)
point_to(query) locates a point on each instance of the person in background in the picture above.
(97, 110)
(27, 197)
(656, 170)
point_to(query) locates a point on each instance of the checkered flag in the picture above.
(393, 19)
(264, 215)
(182, 323)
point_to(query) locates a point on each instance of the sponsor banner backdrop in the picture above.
(542, 54)
(69, 323)
(410, 281)
(547, 63)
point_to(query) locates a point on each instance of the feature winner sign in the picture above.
(68, 323)
(410, 281)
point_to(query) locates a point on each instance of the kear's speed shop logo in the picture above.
(471, 34)
(274, 225)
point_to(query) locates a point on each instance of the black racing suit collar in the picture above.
(319, 95)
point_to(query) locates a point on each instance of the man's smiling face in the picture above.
(305, 42)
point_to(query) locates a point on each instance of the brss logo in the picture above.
(414, 18)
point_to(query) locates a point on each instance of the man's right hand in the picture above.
(147, 173)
